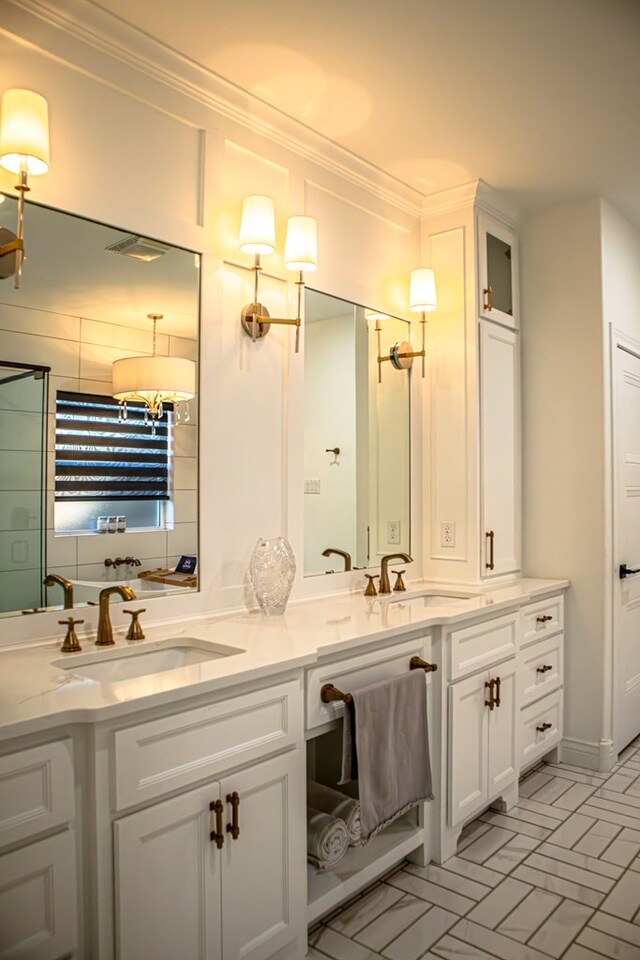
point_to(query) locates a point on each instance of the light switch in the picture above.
(312, 486)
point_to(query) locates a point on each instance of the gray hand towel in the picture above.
(338, 805)
(327, 839)
(386, 748)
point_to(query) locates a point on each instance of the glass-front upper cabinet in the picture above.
(498, 272)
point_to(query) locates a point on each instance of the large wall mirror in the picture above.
(356, 438)
(94, 490)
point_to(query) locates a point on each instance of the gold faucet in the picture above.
(340, 553)
(105, 631)
(67, 586)
(385, 586)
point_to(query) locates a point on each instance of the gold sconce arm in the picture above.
(255, 317)
(12, 247)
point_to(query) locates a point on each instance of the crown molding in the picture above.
(85, 23)
(476, 193)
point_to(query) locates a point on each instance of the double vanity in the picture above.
(152, 793)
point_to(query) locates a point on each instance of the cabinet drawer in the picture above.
(474, 648)
(535, 742)
(542, 619)
(36, 791)
(534, 676)
(153, 758)
(358, 671)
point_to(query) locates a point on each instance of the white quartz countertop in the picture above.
(36, 693)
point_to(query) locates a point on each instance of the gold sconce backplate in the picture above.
(401, 355)
(261, 328)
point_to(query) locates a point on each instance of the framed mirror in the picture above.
(356, 437)
(98, 415)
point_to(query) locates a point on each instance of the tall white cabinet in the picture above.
(472, 448)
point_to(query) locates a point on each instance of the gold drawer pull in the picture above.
(544, 726)
(217, 836)
(488, 303)
(234, 827)
(544, 668)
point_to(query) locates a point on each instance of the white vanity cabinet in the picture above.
(482, 739)
(237, 897)
(213, 872)
(540, 676)
(38, 895)
(482, 705)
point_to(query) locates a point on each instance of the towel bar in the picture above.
(417, 664)
(331, 694)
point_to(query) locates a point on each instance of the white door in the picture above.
(627, 549)
(500, 443)
(468, 760)
(168, 880)
(503, 725)
(264, 900)
(38, 900)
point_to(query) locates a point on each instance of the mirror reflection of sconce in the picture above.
(24, 149)
(258, 237)
(422, 299)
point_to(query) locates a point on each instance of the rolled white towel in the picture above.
(338, 805)
(327, 839)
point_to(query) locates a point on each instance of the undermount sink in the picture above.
(113, 665)
(433, 599)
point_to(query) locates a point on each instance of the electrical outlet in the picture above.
(393, 531)
(448, 534)
(312, 486)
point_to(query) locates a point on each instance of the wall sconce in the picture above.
(422, 299)
(24, 149)
(153, 381)
(258, 236)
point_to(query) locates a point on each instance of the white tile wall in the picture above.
(80, 355)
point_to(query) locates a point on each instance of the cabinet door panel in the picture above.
(498, 272)
(263, 890)
(38, 900)
(503, 726)
(168, 881)
(468, 719)
(500, 441)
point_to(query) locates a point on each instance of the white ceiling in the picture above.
(538, 97)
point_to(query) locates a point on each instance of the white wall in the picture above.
(564, 441)
(330, 421)
(155, 144)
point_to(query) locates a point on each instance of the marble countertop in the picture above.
(36, 693)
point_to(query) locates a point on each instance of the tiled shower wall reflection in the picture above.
(80, 353)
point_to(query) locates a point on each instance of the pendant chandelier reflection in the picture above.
(154, 381)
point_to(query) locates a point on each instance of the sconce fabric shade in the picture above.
(258, 225)
(154, 379)
(24, 132)
(301, 244)
(422, 290)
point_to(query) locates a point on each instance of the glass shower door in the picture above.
(23, 431)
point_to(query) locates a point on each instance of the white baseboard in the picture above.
(599, 757)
